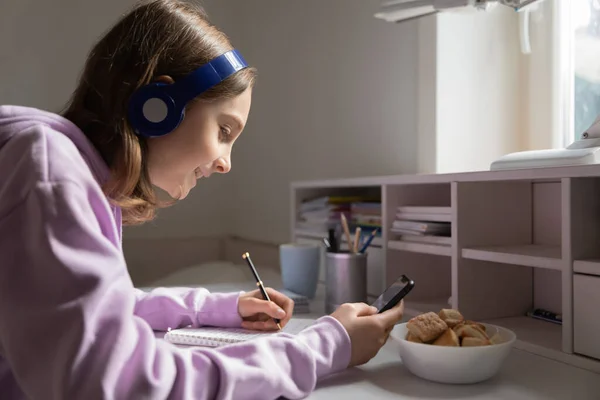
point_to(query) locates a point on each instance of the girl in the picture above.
(162, 99)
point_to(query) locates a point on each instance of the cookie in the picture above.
(427, 327)
(464, 331)
(412, 338)
(447, 338)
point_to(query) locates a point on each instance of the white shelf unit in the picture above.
(531, 255)
(521, 239)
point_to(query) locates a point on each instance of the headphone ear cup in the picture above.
(153, 112)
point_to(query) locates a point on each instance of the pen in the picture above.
(338, 238)
(327, 244)
(333, 246)
(246, 256)
(369, 240)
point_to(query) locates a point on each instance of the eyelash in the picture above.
(224, 134)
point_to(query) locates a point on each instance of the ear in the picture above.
(164, 79)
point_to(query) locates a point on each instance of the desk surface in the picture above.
(523, 376)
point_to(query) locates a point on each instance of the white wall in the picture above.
(44, 45)
(547, 71)
(440, 94)
(478, 97)
(336, 97)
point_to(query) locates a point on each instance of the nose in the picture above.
(222, 165)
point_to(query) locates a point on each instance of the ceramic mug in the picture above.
(300, 265)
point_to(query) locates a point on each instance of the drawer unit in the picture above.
(586, 318)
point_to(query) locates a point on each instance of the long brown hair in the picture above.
(157, 37)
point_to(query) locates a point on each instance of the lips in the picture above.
(198, 173)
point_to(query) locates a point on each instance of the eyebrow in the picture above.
(236, 120)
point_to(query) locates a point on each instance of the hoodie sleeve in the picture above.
(173, 307)
(68, 328)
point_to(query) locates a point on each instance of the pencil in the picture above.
(369, 240)
(346, 232)
(356, 239)
(246, 256)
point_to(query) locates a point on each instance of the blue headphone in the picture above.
(158, 108)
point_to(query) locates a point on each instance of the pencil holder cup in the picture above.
(345, 279)
(299, 265)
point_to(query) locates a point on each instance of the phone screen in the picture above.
(393, 294)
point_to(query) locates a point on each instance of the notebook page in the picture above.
(213, 336)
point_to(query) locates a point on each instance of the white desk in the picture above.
(523, 376)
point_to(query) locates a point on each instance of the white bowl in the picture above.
(457, 365)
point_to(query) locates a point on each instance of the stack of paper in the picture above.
(423, 224)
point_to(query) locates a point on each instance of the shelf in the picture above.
(544, 236)
(532, 334)
(589, 267)
(425, 248)
(538, 256)
(416, 307)
(377, 241)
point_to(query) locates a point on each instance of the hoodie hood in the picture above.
(14, 119)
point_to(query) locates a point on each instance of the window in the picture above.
(514, 81)
(585, 31)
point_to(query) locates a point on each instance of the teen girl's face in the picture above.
(200, 146)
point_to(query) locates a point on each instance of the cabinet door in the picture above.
(586, 308)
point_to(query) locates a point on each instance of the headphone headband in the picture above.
(158, 108)
(208, 75)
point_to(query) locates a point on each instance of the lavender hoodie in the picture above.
(72, 326)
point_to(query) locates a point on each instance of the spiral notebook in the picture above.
(215, 337)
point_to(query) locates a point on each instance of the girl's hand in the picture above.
(258, 313)
(367, 329)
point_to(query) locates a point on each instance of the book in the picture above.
(373, 208)
(440, 228)
(424, 210)
(410, 216)
(322, 202)
(214, 337)
(366, 215)
(316, 216)
(427, 239)
(373, 220)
